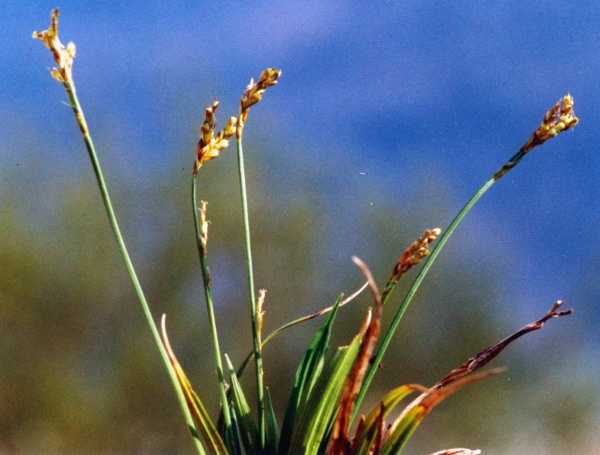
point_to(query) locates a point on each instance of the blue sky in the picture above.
(398, 92)
(395, 91)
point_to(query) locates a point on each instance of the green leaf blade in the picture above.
(245, 423)
(308, 373)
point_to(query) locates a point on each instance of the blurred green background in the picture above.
(386, 119)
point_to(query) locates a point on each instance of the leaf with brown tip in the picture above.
(408, 421)
(484, 357)
(340, 442)
(371, 428)
(207, 428)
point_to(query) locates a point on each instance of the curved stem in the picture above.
(413, 289)
(252, 298)
(211, 314)
(128, 264)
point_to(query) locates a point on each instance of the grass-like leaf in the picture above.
(369, 427)
(484, 357)
(340, 443)
(246, 427)
(300, 320)
(207, 428)
(272, 429)
(317, 416)
(306, 376)
(413, 415)
(403, 427)
(235, 443)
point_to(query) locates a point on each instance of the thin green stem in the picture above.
(255, 335)
(290, 324)
(413, 289)
(128, 264)
(211, 314)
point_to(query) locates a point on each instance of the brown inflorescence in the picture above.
(254, 93)
(558, 119)
(414, 253)
(209, 145)
(63, 56)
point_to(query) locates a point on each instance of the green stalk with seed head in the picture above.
(63, 57)
(560, 118)
(209, 147)
(251, 96)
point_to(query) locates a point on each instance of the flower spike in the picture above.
(414, 253)
(558, 119)
(209, 145)
(62, 56)
(254, 93)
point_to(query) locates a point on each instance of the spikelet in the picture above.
(254, 93)
(63, 56)
(558, 119)
(210, 145)
(414, 253)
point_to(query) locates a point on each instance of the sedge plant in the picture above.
(329, 387)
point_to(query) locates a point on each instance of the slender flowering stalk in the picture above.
(202, 236)
(560, 118)
(63, 57)
(209, 147)
(251, 96)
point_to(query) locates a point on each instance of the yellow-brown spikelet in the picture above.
(254, 93)
(414, 253)
(203, 225)
(558, 119)
(260, 313)
(63, 56)
(209, 145)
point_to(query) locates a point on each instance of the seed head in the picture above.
(558, 119)
(414, 253)
(259, 311)
(254, 93)
(62, 56)
(209, 145)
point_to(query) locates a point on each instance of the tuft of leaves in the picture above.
(328, 388)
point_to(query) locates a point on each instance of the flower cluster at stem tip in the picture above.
(209, 145)
(63, 56)
(414, 253)
(254, 93)
(558, 119)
